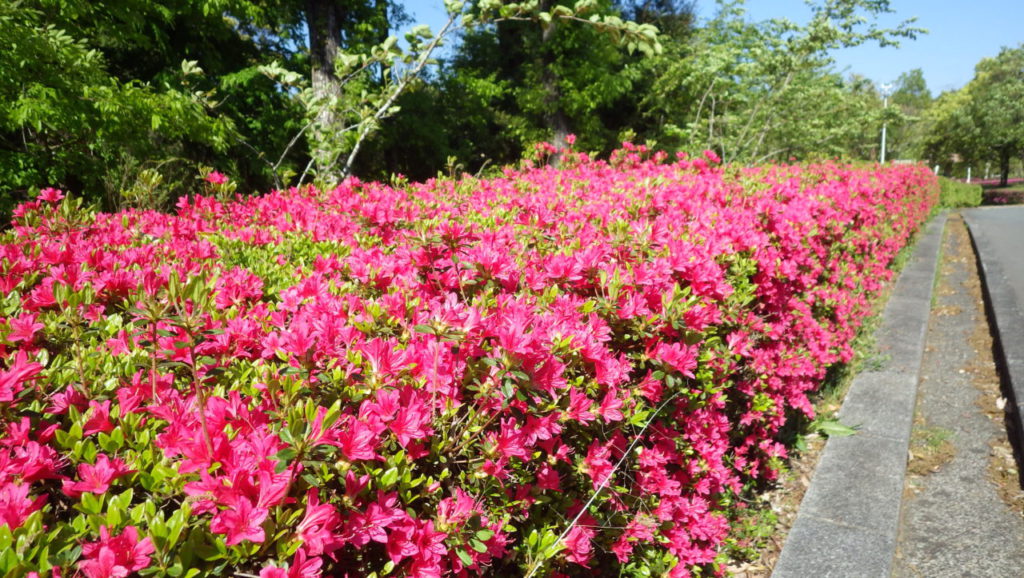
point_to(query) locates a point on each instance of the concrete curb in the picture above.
(1008, 318)
(849, 518)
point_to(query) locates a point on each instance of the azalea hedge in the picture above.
(551, 373)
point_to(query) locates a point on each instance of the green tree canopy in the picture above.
(908, 127)
(984, 121)
(754, 91)
(128, 100)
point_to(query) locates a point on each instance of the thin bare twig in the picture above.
(366, 125)
(604, 483)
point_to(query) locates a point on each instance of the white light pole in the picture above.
(886, 91)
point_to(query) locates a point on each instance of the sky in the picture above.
(960, 34)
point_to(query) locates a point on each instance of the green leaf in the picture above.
(177, 523)
(389, 478)
(91, 503)
(286, 455)
(114, 517)
(464, 556)
(832, 428)
(532, 539)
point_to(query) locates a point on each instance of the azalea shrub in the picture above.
(555, 373)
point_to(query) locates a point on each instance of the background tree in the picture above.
(69, 120)
(128, 101)
(907, 130)
(952, 137)
(984, 121)
(631, 116)
(997, 106)
(755, 91)
(538, 71)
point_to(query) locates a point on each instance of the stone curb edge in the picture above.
(848, 521)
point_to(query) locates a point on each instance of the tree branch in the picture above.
(366, 125)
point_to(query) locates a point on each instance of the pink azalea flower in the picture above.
(16, 505)
(548, 479)
(597, 463)
(316, 530)
(575, 287)
(401, 542)
(50, 195)
(358, 441)
(611, 406)
(456, 510)
(579, 407)
(240, 521)
(411, 422)
(354, 485)
(96, 478)
(70, 397)
(13, 379)
(678, 356)
(115, 556)
(99, 418)
(216, 178)
(302, 566)
(578, 545)
(509, 441)
(23, 328)
(651, 388)
(371, 524)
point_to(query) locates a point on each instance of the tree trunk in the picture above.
(1004, 166)
(323, 23)
(554, 116)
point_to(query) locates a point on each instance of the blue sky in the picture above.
(960, 34)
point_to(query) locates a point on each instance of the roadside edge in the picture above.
(1007, 319)
(848, 521)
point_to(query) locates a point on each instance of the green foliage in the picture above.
(950, 129)
(123, 101)
(414, 143)
(754, 91)
(542, 70)
(957, 194)
(100, 99)
(984, 121)
(907, 129)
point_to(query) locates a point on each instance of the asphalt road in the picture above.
(999, 234)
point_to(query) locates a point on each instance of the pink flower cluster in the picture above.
(434, 380)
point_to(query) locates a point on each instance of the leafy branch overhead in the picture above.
(633, 36)
(344, 112)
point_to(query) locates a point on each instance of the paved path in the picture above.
(849, 518)
(850, 522)
(953, 521)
